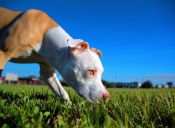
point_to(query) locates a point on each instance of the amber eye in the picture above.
(92, 72)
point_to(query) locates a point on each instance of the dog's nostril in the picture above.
(105, 96)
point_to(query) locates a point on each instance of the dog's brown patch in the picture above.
(26, 32)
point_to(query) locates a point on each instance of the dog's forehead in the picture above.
(74, 42)
(89, 59)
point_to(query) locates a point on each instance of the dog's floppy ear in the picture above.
(97, 51)
(78, 48)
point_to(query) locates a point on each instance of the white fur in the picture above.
(37, 47)
(54, 46)
(56, 86)
(55, 49)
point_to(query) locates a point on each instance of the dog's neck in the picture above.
(57, 37)
(55, 47)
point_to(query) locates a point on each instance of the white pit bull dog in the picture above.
(33, 37)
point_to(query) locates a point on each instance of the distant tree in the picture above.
(170, 84)
(156, 86)
(105, 82)
(147, 84)
(108, 84)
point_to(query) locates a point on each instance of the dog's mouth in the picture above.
(90, 98)
(94, 99)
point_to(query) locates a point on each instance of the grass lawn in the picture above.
(37, 106)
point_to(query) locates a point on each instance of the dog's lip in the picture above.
(94, 99)
(90, 98)
(80, 94)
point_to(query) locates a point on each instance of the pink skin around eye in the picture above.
(91, 73)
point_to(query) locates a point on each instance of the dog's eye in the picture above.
(91, 72)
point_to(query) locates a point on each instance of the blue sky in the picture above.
(137, 37)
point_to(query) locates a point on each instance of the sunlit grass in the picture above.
(37, 106)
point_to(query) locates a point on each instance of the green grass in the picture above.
(37, 106)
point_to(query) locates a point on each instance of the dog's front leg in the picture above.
(47, 72)
(56, 86)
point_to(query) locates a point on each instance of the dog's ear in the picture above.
(78, 48)
(99, 53)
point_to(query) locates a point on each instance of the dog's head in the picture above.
(83, 70)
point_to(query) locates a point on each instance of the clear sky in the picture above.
(136, 37)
